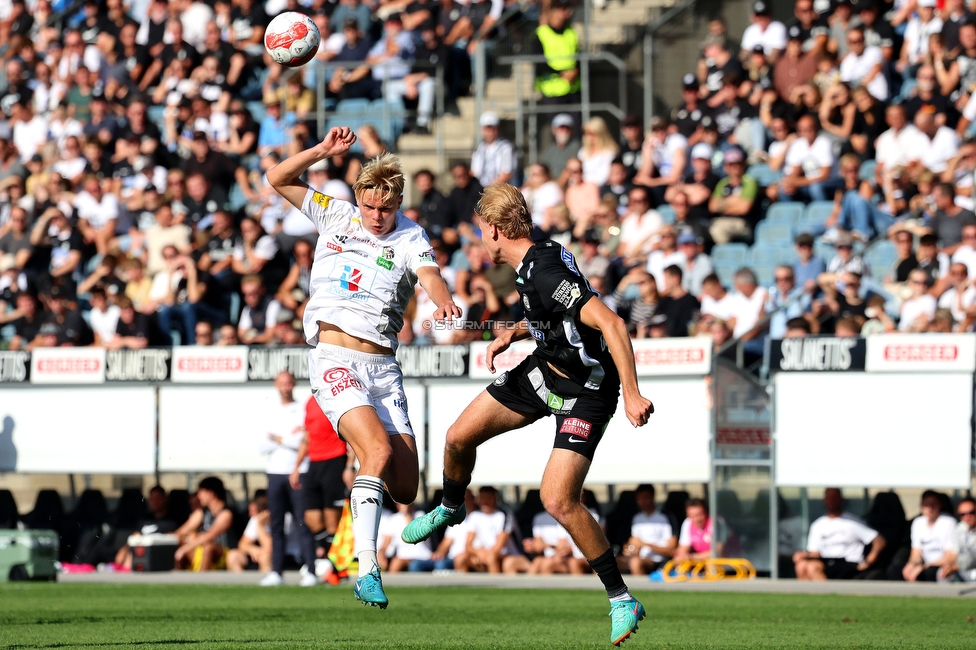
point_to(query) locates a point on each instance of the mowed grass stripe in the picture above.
(199, 616)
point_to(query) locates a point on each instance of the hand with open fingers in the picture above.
(638, 409)
(494, 348)
(337, 141)
(447, 311)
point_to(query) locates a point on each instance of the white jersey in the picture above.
(361, 282)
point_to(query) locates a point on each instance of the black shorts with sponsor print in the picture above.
(536, 390)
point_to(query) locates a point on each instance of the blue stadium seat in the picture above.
(867, 170)
(666, 212)
(786, 212)
(764, 175)
(733, 255)
(765, 274)
(257, 110)
(764, 253)
(725, 274)
(774, 233)
(812, 226)
(236, 198)
(824, 251)
(155, 114)
(881, 258)
(818, 211)
(353, 107)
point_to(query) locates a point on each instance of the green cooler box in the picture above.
(28, 555)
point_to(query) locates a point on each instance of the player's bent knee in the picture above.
(559, 505)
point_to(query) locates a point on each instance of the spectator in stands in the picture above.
(166, 232)
(960, 297)
(28, 318)
(846, 260)
(274, 134)
(420, 85)
(676, 304)
(353, 81)
(356, 10)
(260, 312)
(960, 558)
(931, 534)
(133, 328)
(697, 265)
(652, 540)
(294, 292)
(57, 246)
(636, 297)
(547, 547)
(563, 146)
(103, 317)
(950, 219)
(716, 302)
(228, 335)
(204, 333)
(854, 209)
(254, 548)
(733, 201)
(541, 193)
(72, 330)
(639, 228)
(663, 156)
(786, 301)
(388, 58)
(795, 68)
(598, 151)
(700, 531)
(844, 298)
(836, 543)
(464, 197)
(764, 32)
(490, 546)
(455, 539)
(617, 187)
(582, 198)
(901, 144)
(863, 65)
(808, 170)
(808, 267)
(15, 246)
(255, 252)
(204, 536)
(434, 216)
(558, 78)
(494, 159)
(747, 305)
(97, 211)
(395, 555)
(918, 310)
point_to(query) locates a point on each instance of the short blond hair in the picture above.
(502, 205)
(381, 174)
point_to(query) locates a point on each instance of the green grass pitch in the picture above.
(171, 616)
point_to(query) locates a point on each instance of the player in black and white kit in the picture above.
(368, 260)
(582, 359)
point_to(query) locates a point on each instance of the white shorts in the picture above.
(343, 379)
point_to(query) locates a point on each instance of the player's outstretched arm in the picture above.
(435, 286)
(285, 177)
(598, 316)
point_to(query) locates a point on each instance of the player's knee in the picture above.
(560, 506)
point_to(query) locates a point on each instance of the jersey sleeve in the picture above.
(323, 210)
(421, 253)
(560, 289)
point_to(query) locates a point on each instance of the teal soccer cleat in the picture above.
(624, 617)
(369, 590)
(423, 527)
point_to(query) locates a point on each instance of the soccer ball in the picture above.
(292, 39)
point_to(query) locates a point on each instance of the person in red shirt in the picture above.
(331, 472)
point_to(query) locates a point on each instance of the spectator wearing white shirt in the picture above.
(97, 212)
(966, 253)
(103, 318)
(901, 144)
(455, 539)
(259, 315)
(960, 560)
(30, 131)
(541, 193)
(490, 546)
(652, 539)
(667, 153)
(836, 543)
(494, 159)
(919, 310)
(960, 297)
(748, 303)
(862, 66)
(716, 302)
(598, 151)
(931, 533)
(942, 143)
(917, 32)
(764, 31)
(639, 227)
(809, 165)
(280, 437)
(393, 553)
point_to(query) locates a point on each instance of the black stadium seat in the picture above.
(619, 519)
(130, 510)
(179, 506)
(47, 513)
(531, 506)
(8, 510)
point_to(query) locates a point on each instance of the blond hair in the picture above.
(602, 140)
(503, 205)
(381, 174)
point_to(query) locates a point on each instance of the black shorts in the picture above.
(534, 389)
(322, 485)
(839, 568)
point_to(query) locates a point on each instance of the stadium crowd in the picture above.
(818, 173)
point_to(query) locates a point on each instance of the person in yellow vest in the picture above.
(558, 79)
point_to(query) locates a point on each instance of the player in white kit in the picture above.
(367, 262)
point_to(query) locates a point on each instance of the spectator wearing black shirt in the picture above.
(101, 124)
(927, 97)
(421, 15)
(878, 33)
(28, 325)
(953, 15)
(137, 122)
(356, 80)
(20, 22)
(218, 253)
(453, 30)
(71, 327)
(717, 63)
(202, 200)
(907, 260)
(698, 184)
(435, 215)
(134, 57)
(420, 83)
(731, 109)
(688, 117)
(175, 49)
(813, 30)
(185, 305)
(216, 167)
(869, 123)
(618, 186)
(464, 197)
(231, 62)
(133, 330)
(680, 307)
(248, 21)
(58, 244)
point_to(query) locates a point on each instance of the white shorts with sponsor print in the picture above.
(344, 379)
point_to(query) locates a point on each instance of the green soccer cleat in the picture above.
(369, 590)
(624, 617)
(424, 526)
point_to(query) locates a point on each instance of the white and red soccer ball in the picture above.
(292, 39)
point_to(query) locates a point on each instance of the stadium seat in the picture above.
(824, 251)
(725, 274)
(765, 273)
(818, 211)
(130, 509)
(764, 175)
(881, 258)
(353, 107)
(785, 212)
(773, 233)
(763, 253)
(531, 506)
(179, 506)
(620, 518)
(48, 511)
(236, 198)
(674, 507)
(810, 226)
(666, 212)
(733, 254)
(8, 510)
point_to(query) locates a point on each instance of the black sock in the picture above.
(606, 567)
(453, 494)
(324, 540)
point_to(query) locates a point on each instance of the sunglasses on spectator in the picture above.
(784, 278)
(855, 41)
(966, 513)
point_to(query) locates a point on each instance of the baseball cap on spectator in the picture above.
(488, 118)
(702, 150)
(687, 237)
(843, 240)
(562, 119)
(926, 3)
(734, 155)
(199, 135)
(56, 292)
(659, 123)
(864, 5)
(689, 81)
(591, 237)
(758, 49)
(760, 8)
(394, 18)
(794, 33)
(713, 39)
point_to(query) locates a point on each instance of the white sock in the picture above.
(366, 501)
(622, 597)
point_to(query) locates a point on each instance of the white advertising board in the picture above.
(68, 366)
(873, 430)
(197, 364)
(90, 430)
(922, 352)
(672, 447)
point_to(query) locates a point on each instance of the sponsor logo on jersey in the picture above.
(401, 403)
(501, 380)
(385, 263)
(342, 239)
(538, 335)
(427, 255)
(388, 253)
(525, 301)
(555, 402)
(519, 280)
(350, 278)
(321, 199)
(334, 246)
(567, 293)
(339, 379)
(568, 260)
(576, 427)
